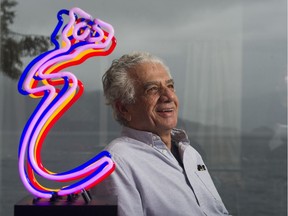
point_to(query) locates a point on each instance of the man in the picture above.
(157, 171)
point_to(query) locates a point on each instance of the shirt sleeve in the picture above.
(119, 185)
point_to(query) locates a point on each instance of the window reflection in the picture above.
(228, 60)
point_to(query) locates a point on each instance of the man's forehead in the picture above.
(150, 72)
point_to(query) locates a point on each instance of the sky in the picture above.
(161, 27)
(164, 28)
(255, 29)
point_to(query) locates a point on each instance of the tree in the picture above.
(14, 45)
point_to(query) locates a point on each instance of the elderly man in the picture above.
(157, 171)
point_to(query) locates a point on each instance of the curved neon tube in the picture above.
(82, 38)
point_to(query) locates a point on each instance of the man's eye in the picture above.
(171, 86)
(152, 90)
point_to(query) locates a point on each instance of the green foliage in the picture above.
(14, 45)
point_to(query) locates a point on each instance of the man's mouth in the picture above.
(165, 110)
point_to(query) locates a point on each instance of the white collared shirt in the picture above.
(149, 181)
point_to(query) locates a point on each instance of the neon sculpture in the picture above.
(82, 38)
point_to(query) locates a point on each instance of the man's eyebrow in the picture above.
(147, 84)
(170, 81)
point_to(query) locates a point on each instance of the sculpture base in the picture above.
(104, 206)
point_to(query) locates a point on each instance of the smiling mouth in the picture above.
(165, 110)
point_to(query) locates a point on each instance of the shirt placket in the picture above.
(162, 148)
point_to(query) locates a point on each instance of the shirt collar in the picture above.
(149, 138)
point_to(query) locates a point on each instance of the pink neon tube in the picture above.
(38, 123)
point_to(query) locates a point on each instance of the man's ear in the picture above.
(123, 111)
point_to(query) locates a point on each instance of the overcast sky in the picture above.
(140, 24)
(163, 27)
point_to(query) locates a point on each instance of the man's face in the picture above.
(156, 106)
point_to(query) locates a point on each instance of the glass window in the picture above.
(229, 62)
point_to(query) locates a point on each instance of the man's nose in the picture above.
(167, 94)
